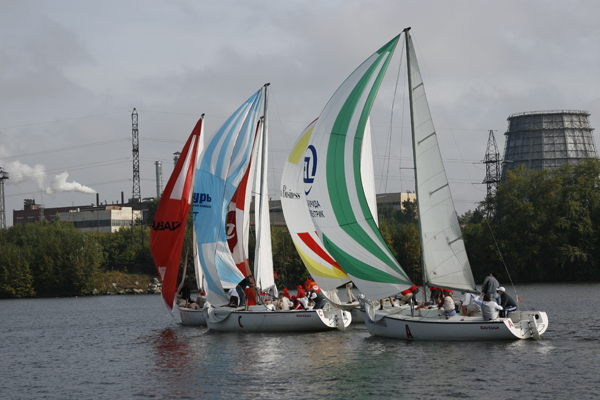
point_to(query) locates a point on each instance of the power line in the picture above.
(81, 146)
(63, 120)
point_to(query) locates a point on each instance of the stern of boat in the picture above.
(335, 318)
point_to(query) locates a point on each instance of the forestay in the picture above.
(334, 188)
(443, 249)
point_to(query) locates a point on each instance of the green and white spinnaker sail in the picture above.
(333, 183)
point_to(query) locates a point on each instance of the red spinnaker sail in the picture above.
(168, 228)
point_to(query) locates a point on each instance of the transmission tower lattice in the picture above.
(3, 176)
(135, 140)
(493, 165)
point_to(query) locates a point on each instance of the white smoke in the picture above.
(60, 184)
(21, 173)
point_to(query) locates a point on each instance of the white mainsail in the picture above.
(445, 260)
(263, 253)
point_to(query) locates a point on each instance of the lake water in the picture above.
(124, 347)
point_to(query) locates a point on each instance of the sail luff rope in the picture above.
(389, 147)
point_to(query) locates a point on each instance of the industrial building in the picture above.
(547, 139)
(88, 218)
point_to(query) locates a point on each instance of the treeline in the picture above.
(546, 224)
(55, 259)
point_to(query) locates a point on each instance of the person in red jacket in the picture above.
(301, 292)
(286, 293)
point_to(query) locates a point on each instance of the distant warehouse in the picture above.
(547, 139)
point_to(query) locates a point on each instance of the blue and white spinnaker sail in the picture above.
(221, 168)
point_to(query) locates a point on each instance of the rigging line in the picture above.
(77, 167)
(162, 140)
(63, 120)
(444, 113)
(389, 149)
(168, 112)
(505, 267)
(81, 146)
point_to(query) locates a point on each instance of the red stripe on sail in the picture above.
(314, 246)
(168, 227)
(235, 234)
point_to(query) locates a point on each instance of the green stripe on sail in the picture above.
(336, 179)
(359, 269)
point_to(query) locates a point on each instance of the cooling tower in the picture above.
(547, 139)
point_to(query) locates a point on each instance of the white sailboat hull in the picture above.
(519, 325)
(192, 317)
(259, 319)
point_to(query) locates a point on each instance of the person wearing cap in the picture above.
(435, 294)
(489, 308)
(490, 285)
(414, 290)
(308, 283)
(286, 293)
(506, 302)
(448, 304)
(317, 297)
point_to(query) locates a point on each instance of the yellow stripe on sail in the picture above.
(317, 269)
(300, 147)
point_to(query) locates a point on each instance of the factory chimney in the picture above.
(158, 178)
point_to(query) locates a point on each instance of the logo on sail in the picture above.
(200, 198)
(310, 168)
(231, 230)
(165, 225)
(289, 195)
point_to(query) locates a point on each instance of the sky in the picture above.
(71, 73)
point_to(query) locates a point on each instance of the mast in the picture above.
(412, 130)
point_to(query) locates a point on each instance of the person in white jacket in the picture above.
(448, 304)
(489, 308)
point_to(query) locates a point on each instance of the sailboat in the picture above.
(348, 230)
(234, 158)
(168, 227)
